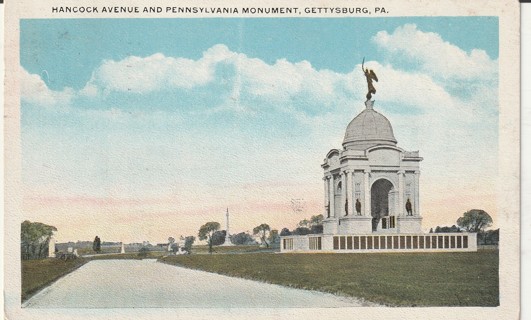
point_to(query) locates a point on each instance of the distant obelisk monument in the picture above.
(227, 235)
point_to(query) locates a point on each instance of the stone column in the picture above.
(331, 196)
(328, 211)
(343, 193)
(416, 208)
(367, 194)
(350, 194)
(401, 208)
(326, 195)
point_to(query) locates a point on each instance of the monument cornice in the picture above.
(332, 151)
(384, 146)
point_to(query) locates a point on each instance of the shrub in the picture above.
(143, 252)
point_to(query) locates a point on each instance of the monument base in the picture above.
(227, 243)
(330, 226)
(355, 225)
(409, 224)
(365, 243)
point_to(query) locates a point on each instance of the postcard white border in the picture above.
(509, 161)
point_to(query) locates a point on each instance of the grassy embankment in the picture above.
(37, 274)
(413, 279)
(130, 255)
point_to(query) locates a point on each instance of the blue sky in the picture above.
(70, 49)
(131, 121)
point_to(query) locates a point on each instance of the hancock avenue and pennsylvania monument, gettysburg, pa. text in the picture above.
(371, 194)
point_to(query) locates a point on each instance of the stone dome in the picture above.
(368, 129)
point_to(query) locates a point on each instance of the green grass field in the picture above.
(202, 249)
(37, 274)
(395, 279)
(129, 255)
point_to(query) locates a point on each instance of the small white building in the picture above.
(371, 196)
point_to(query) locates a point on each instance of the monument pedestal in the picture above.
(330, 226)
(51, 248)
(227, 243)
(409, 224)
(355, 225)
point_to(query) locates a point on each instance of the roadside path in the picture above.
(149, 284)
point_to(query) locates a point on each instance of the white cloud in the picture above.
(218, 65)
(436, 56)
(35, 91)
(415, 89)
(313, 98)
(156, 72)
(143, 75)
(253, 86)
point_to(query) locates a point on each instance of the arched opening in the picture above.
(380, 201)
(337, 199)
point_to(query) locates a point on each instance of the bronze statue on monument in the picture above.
(370, 76)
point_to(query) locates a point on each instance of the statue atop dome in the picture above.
(370, 76)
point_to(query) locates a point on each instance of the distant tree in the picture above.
(316, 220)
(475, 220)
(314, 225)
(313, 221)
(446, 229)
(274, 237)
(143, 252)
(206, 232)
(242, 238)
(219, 237)
(491, 237)
(455, 228)
(34, 239)
(262, 231)
(305, 223)
(301, 231)
(96, 245)
(317, 229)
(172, 246)
(188, 242)
(285, 232)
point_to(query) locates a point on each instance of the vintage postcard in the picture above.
(273, 159)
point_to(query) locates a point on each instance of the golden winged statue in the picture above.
(370, 76)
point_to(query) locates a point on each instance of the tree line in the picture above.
(214, 237)
(35, 236)
(474, 220)
(34, 239)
